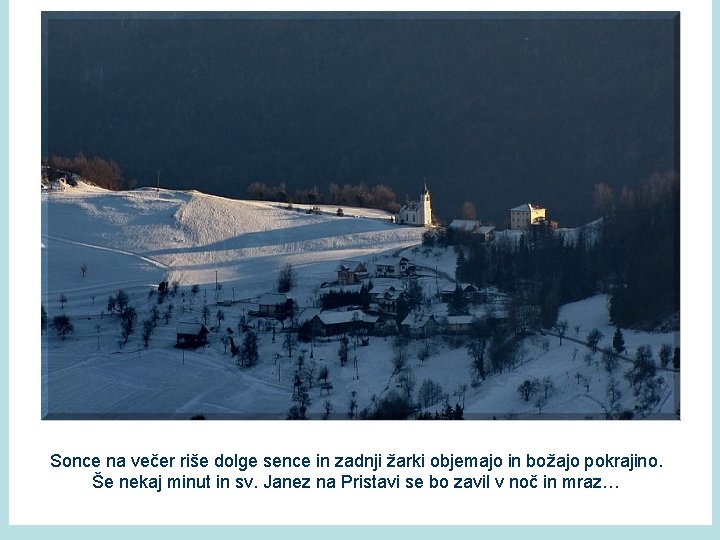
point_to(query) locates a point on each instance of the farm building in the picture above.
(191, 334)
(420, 324)
(486, 232)
(331, 323)
(464, 225)
(458, 324)
(274, 305)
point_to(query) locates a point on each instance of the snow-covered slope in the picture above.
(133, 240)
(137, 238)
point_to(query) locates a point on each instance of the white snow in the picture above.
(135, 239)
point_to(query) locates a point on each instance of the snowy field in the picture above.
(135, 239)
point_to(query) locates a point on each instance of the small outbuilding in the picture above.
(420, 324)
(275, 305)
(191, 334)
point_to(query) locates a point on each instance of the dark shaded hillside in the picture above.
(497, 111)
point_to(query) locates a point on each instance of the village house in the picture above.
(351, 272)
(465, 225)
(420, 324)
(274, 305)
(523, 216)
(458, 324)
(306, 331)
(332, 323)
(417, 213)
(469, 291)
(486, 233)
(391, 267)
(191, 334)
(386, 298)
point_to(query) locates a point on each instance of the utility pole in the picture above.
(158, 182)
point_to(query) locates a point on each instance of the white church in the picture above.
(417, 213)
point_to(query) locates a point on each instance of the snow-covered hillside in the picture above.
(135, 239)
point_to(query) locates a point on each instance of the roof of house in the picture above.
(273, 299)
(464, 224)
(485, 229)
(344, 317)
(417, 319)
(191, 328)
(307, 314)
(378, 290)
(353, 266)
(528, 207)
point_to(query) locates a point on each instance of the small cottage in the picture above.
(486, 233)
(274, 305)
(420, 324)
(459, 324)
(464, 225)
(191, 334)
(331, 323)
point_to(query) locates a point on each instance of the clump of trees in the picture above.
(62, 325)
(392, 406)
(430, 393)
(99, 171)
(648, 388)
(335, 299)
(287, 279)
(249, 352)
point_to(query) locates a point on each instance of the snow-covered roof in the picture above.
(192, 328)
(341, 317)
(527, 207)
(417, 319)
(385, 287)
(307, 315)
(464, 224)
(485, 229)
(354, 266)
(273, 299)
(411, 205)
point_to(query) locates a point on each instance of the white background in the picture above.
(679, 493)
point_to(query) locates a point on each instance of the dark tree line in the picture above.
(640, 252)
(335, 299)
(379, 196)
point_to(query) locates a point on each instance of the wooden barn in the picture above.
(191, 334)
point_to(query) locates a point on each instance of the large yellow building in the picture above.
(521, 217)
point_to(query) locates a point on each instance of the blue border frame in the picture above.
(317, 532)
